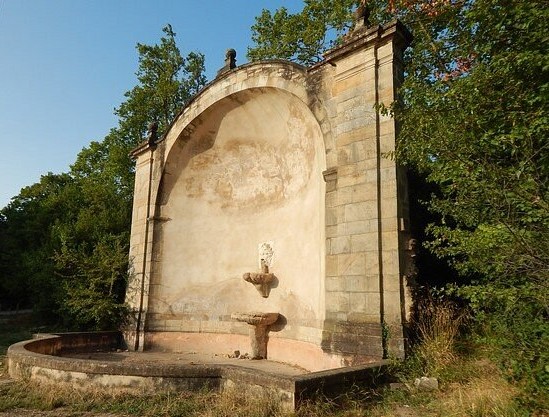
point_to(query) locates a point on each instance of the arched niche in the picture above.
(244, 175)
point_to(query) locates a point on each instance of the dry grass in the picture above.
(438, 325)
(481, 392)
(65, 401)
(487, 394)
(235, 403)
(469, 387)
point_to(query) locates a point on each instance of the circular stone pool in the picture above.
(97, 360)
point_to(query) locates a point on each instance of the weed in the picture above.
(472, 387)
(486, 394)
(438, 323)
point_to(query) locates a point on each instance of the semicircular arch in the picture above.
(242, 169)
(281, 75)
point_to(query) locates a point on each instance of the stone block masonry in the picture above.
(275, 152)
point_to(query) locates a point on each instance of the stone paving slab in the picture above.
(192, 358)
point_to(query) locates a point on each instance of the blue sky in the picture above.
(66, 64)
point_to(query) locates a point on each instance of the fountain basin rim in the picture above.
(256, 318)
(22, 353)
(258, 277)
(26, 361)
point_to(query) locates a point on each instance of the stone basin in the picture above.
(259, 330)
(258, 277)
(255, 318)
(261, 281)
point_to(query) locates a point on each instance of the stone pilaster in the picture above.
(148, 171)
(366, 205)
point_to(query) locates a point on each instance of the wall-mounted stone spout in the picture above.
(261, 280)
(259, 331)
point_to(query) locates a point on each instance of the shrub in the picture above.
(437, 323)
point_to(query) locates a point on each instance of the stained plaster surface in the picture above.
(191, 358)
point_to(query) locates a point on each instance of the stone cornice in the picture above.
(362, 37)
(142, 148)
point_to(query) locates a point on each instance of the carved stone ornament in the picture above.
(152, 133)
(261, 280)
(230, 61)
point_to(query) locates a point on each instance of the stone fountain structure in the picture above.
(281, 169)
(275, 175)
(259, 323)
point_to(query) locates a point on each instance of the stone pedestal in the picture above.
(259, 338)
(259, 330)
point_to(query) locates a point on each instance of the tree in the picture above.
(167, 81)
(26, 244)
(475, 122)
(300, 37)
(93, 257)
(490, 157)
(473, 113)
(67, 237)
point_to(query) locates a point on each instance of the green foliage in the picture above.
(94, 281)
(489, 159)
(301, 37)
(511, 320)
(65, 240)
(26, 244)
(474, 122)
(167, 81)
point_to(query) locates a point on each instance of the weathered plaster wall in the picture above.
(247, 171)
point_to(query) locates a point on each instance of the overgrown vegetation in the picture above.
(303, 36)
(64, 240)
(438, 324)
(474, 123)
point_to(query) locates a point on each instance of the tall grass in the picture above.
(472, 386)
(230, 403)
(438, 324)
